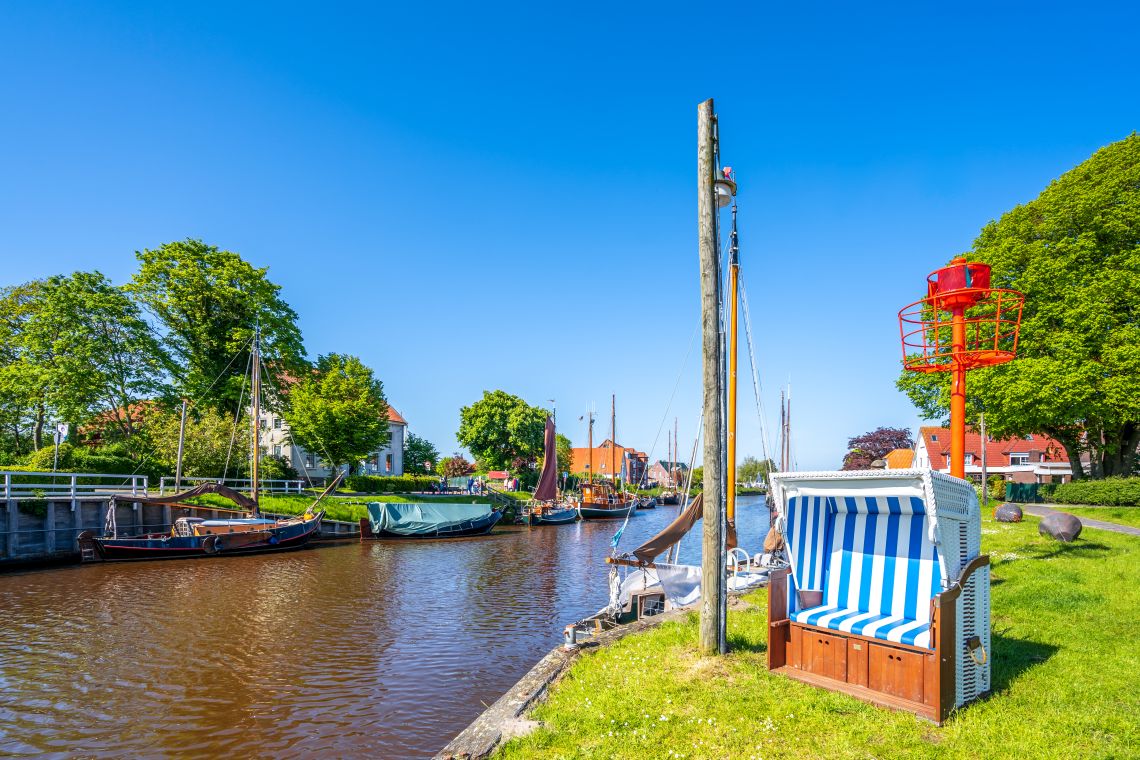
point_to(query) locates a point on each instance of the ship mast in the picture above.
(256, 395)
(733, 290)
(613, 436)
(590, 444)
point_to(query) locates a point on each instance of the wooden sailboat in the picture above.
(192, 537)
(545, 509)
(601, 500)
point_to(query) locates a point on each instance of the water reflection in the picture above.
(387, 648)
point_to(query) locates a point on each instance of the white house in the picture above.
(275, 440)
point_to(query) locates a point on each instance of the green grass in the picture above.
(1066, 659)
(1122, 515)
(346, 508)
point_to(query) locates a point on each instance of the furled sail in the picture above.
(672, 533)
(241, 500)
(547, 489)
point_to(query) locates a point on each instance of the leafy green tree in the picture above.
(208, 302)
(563, 450)
(215, 447)
(339, 411)
(1075, 253)
(420, 456)
(502, 430)
(752, 469)
(77, 347)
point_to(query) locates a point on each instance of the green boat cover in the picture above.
(421, 519)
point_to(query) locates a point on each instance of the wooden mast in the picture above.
(256, 394)
(590, 444)
(613, 436)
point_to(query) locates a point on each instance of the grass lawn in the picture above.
(346, 508)
(1066, 678)
(1122, 515)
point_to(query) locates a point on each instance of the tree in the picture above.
(454, 466)
(215, 446)
(339, 411)
(752, 469)
(420, 456)
(564, 450)
(864, 449)
(208, 302)
(501, 430)
(78, 347)
(1074, 252)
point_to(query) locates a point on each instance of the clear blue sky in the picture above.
(472, 197)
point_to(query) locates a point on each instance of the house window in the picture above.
(310, 460)
(969, 459)
(261, 423)
(387, 462)
(1029, 437)
(276, 423)
(277, 450)
(934, 438)
(1015, 459)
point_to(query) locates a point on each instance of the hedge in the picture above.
(1111, 492)
(390, 484)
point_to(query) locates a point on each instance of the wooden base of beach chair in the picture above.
(897, 676)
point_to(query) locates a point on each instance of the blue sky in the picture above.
(473, 197)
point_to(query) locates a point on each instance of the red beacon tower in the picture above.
(962, 324)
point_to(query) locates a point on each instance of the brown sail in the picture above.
(241, 500)
(672, 533)
(547, 488)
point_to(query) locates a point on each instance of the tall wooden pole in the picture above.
(181, 446)
(256, 396)
(712, 555)
(676, 457)
(590, 443)
(733, 289)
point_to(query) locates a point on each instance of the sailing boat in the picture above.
(601, 500)
(545, 509)
(192, 537)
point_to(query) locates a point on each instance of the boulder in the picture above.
(1061, 526)
(1008, 513)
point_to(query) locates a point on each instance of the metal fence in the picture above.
(238, 484)
(47, 485)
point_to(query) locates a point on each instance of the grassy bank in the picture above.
(1066, 654)
(1122, 515)
(347, 508)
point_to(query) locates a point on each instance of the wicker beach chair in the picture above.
(887, 595)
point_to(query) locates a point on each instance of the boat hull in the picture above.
(478, 527)
(553, 517)
(160, 546)
(597, 512)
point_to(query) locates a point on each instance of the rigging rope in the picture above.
(757, 390)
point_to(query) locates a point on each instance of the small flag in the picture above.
(617, 537)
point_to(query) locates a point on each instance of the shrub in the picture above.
(390, 484)
(45, 458)
(1111, 492)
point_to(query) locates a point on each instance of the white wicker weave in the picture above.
(954, 526)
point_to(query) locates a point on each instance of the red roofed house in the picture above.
(1032, 459)
(610, 460)
(387, 461)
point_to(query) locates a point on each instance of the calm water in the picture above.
(386, 648)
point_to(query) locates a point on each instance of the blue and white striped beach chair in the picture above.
(887, 595)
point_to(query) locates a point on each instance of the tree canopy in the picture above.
(420, 456)
(1075, 253)
(752, 469)
(502, 430)
(338, 411)
(863, 450)
(208, 302)
(454, 466)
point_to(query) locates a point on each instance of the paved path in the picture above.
(1088, 522)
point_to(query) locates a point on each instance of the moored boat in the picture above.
(599, 501)
(546, 508)
(396, 521)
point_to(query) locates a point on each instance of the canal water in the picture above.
(384, 648)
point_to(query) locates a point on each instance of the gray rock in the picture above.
(1008, 513)
(1061, 526)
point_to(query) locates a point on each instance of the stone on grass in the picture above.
(1008, 513)
(1061, 526)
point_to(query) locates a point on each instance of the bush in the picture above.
(45, 458)
(1111, 492)
(390, 484)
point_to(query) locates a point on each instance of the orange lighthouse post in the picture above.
(962, 324)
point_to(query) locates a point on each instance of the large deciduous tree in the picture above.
(338, 411)
(209, 300)
(502, 430)
(1075, 253)
(863, 450)
(216, 446)
(752, 469)
(420, 456)
(76, 347)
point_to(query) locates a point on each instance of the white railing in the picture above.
(238, 484)
(57, 485)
